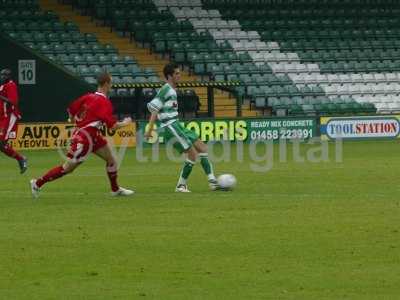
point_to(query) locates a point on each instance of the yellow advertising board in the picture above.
(35, 136)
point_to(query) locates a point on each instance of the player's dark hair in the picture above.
(103, 78)
(169, 69)
(5, 75)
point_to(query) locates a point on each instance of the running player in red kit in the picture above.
(89, 112)
(9, 115)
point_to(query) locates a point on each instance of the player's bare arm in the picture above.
(125, 122)
(149, 133)
(71, 118)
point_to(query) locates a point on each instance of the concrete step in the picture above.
(250, 113)
(225, 113)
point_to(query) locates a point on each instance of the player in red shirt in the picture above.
(9, 116)
(89, 112)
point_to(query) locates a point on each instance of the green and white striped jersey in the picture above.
(165, 104)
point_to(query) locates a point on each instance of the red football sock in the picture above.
(112, 176)
(7, 150)
(51, 175)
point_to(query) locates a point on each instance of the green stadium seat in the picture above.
(25, 37)
(90, 38)
(56, 51)
(122, 70)
(46, 26)
(116, 60)
(52, 37)
(65, 59)
(97, 49)
(110, 49)
(84, 49)
(95, 69)
(71, 27)
(91, 80)
(295, 109)
(39, 37)
(103, 59)
(308, 109)
(128, 60)
(71, 68)
(58, 26)
(83, 71)
(75, 37)
(133, 69)
(78, 60)
(90, 59)
(45, 49)
(115, 71)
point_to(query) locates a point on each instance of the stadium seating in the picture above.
(63, 43)
(319, 56)
(217, 48)
(349, 49)
(81, 53)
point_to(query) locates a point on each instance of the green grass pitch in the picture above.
(301, 231)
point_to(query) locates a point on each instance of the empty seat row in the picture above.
(41, 26)
(115, 4)
(314, 105)
(165, 4)
(205, 24)
(238, 4)
(353, 78)
(27, 15)
(355, 89)
(360, 67)
(313, 13)
(254, 46)
(195, 13)
(91, 78)
(315, 45)
(72, 48)
(349, 55)
(121, 70)
(228, 34)
(37, 37)
(316, 24)
(100, 59)
(360, 34)
(218, 57)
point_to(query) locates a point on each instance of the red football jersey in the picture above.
(10, 91)
(92, 110)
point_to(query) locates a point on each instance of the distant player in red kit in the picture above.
(89, 112)
(9, 116)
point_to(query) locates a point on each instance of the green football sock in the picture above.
(207, 166)
(186, 170)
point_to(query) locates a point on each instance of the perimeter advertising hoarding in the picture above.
(245, 130)
(35, 136)
(371, 127)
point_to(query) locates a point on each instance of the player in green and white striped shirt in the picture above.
(164, 107)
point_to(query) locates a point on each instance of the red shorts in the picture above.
(8, 128)
(85, 141)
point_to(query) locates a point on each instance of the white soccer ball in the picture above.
(226, 181)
